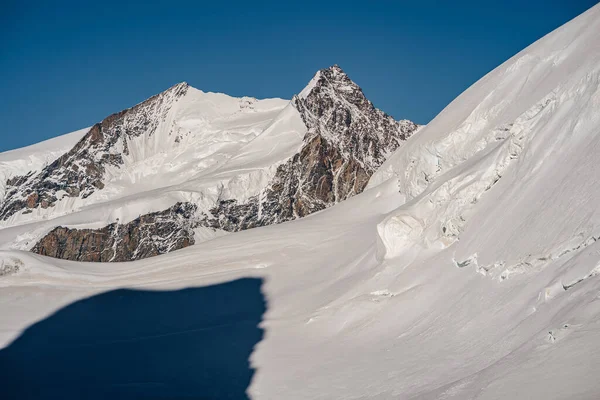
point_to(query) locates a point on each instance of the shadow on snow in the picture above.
(190, 343)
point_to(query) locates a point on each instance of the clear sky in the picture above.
(65, 65)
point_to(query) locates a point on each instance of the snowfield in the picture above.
(467, 270)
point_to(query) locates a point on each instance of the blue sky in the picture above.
(65, 65)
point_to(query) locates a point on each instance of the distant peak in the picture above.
(333, 77)
(311, 85)
(180, 85)
(178, 89)
(336, 75)
(335, 69)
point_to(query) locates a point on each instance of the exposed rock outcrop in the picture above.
(80, 172)
(149, 235)
(347, 139)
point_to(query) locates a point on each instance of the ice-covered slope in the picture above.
(145, 159)
(201, 163)
(512, 158)
(347, 140)
(165, 140)
(33, 158)
(468, 270)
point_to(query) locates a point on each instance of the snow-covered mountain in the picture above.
(167, 139)
(346, 141)
(203, 164)
(34, 158)
(469, 268)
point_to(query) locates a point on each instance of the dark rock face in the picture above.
(79, 172)
(347, 140)
(149, 235)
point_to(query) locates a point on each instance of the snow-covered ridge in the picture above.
(165, 140)
(35, 157)
(147, 139)
(346, 141)
(237, 161)
(524, 134)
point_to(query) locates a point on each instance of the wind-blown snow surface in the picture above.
(478, 279)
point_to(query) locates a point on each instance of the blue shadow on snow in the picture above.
(137, 344)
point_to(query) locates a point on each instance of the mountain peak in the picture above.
(178, 89)
(332, 77)
(183, 84)
(335, 71)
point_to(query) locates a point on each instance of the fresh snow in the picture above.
(35, 157)
(208, 146)
(468, 269)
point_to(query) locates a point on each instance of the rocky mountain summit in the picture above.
(80, 172)
(346, 140)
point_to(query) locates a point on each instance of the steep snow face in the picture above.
(347, 140)
(166, 140)
(505, 160)
(201, 133)
(333, 139)
(80, 171)
(32, 159)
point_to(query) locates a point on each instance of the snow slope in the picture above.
(35, 157)
(201, 133)
(186, 158)
(237, 162)
(468, 270)
(527, 134)
(196, 136)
